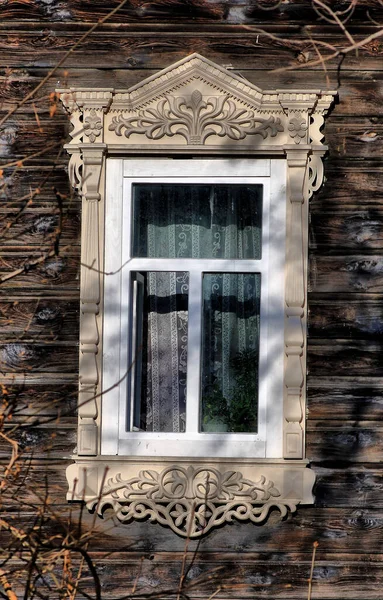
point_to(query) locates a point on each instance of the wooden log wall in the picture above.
(39, 224)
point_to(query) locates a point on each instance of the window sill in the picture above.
(191, 496)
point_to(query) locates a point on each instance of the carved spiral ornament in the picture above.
(190, 500)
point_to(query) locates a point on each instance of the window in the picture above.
(195, 186)
(198, 282)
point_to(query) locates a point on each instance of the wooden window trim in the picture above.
(193, 108)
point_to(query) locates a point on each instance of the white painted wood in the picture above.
(193, 383)
(268, 440)
(241, 168)
(112, 317)
(275, 319)
(192, 445)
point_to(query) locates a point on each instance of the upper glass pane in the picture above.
(197, 220)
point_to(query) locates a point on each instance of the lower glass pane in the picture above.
(230, 352)
(161, 351)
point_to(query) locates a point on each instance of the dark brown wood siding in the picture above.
(39, 306)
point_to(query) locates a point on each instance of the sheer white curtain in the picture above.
(195, 221)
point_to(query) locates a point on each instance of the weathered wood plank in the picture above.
(240, 47)
(359, 317)
(36, 188)
(39, 228)
(349, 183)
(52, 274)
(156, 574)
(47, 357)
(41, 402)
(336, 444)
(199, 11)
(338, 530)
(352, 230)
(345, 446)
(352, 398)
(344, 357)
(49, 442)
(349, 274)
(31, 319)
(349, 487)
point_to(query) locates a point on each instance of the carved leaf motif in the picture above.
(191, 501)
(196, 97)
(196, 119)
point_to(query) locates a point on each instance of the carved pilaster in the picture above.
(90, 299)
(295, 297)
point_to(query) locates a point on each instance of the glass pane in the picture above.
(161, 351)
(197, 221)
(230, 352)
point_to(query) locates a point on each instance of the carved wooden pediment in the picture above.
(196, 103)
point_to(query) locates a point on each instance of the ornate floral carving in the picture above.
(297, 128)
(196, 119)
(191, 500)
(92, 126)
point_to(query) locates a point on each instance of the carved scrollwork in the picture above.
(75, 168)
(196, 119)
(314, 178)
(191, 500)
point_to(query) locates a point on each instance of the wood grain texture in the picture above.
(27, 319)
(38, 308)
(40, 228)
(356, 533)
(360, 317)
(350, 182)
(45, 356)
(355, 230)
(200, 11)
(52, 274)
(346, 274)
(145, 48)
(344, 357)
(352, 398)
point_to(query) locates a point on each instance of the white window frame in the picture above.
(195, 109)
(120, 175)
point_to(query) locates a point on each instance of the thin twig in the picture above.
(20, 161)
(186, 548)
(315, 546)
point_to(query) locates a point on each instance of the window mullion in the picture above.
(194, 351)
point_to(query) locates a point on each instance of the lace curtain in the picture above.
(199, 221)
